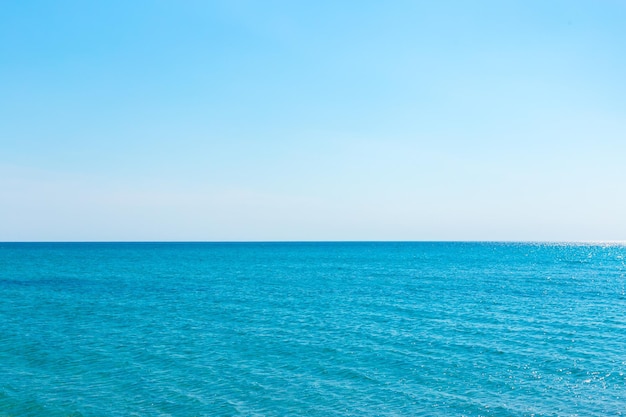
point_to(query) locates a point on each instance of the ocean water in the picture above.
(315, 329)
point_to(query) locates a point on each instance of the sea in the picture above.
(313, 329)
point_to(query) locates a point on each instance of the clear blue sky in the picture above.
(318, 120)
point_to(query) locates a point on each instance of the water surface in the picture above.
(317, 329)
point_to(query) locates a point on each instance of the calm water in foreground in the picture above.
(316, 329)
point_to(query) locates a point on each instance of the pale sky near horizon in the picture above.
(320, 120)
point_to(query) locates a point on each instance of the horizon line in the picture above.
(322, 241)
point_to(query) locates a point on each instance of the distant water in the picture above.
(316, 329)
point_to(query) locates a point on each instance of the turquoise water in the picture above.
(316, 329)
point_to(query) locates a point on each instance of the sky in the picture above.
(163, 120)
